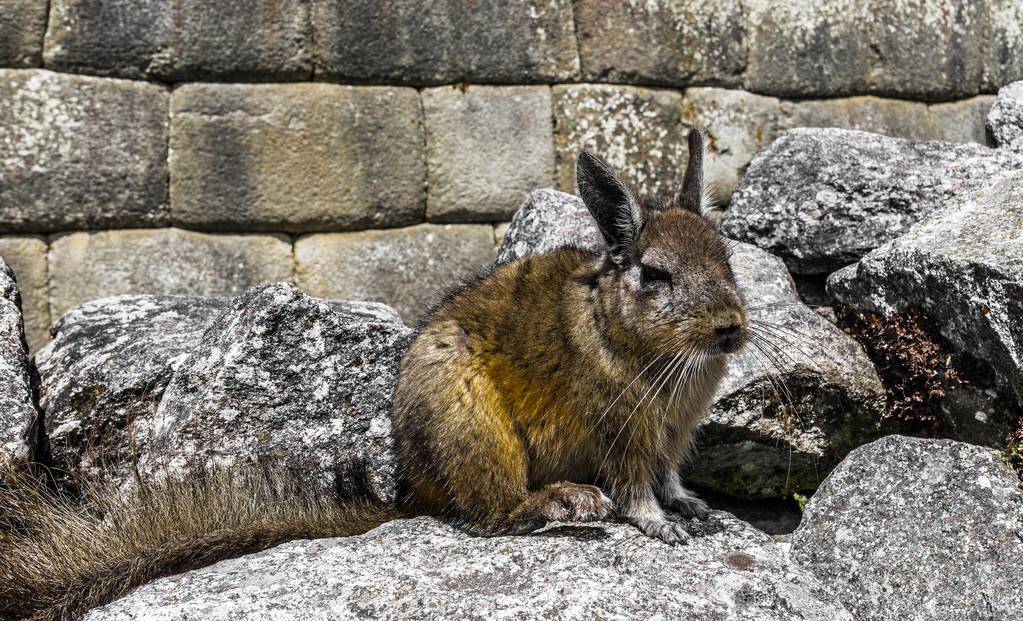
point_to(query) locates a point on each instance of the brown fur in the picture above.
(548, 377)
(524, 397)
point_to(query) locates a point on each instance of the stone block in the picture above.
(409, 269)
(81, 153)
(640, 132)
(302, 157)
(487, 147)
(899, 48)
(26, 255)
(86, 266)
(411, 42)
(182, 40)
(962, 121)
(22, 26)
(669, 42)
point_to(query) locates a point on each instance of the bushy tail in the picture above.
(60, 557)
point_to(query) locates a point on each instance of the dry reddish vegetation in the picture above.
(918, 368)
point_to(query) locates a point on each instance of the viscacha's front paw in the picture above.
(688, 506)
(671, 533)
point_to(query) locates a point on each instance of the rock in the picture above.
(823, 198)
(963, 268)
(487, 146)
(409, 269)
(1003, 59)
(479, 41)
(638, 131)
(1005, 120)
(26, 255)
(790, 407)
(106, 370)
(282, 377)
(548, 220)
(424, 569)
(961, 121)
(303, 157)
(181, 40)
(86, 266)
(18, 439)
(922, 529)
(22, 25)
(809, 48)
(49, 121)
(701, 42)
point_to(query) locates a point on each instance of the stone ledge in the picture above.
(297, 157)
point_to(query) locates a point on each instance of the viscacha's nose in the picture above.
(729, 337)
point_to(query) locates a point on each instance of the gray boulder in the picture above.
(424, 569)
(17, 412)
(963, 268)
(285, 378)
(918, 529)
(823, 198)
(106, 369)
(794, 402)
(1005, 119)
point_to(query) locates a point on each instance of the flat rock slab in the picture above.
(794, 401)
(282, 377)
(424, 569)
(918, 529)
(81, 152)
(823, 198)
(963, 267)
(1005, 120)
(106, 369)
(17, 413)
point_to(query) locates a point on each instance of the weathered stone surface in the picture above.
(638, 131)
(81, 152)
(922, 529)
(822, 198)
(424, 569)
(303, 157)
(106, 370)
(17, 413)
(738, 125)
(487, 147)
(961, 121)
(26, 255)
(22, 25)
(793, 403)
(891, 117)
(809, 48)
(86, 266)
(409, 42)
(669, 42)
(1002, 44)
(963, 267)
(181, 40)
(409, 269)
(1005, 120)
(282, 377)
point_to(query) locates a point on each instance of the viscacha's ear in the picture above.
(611, 204)
(691, 196)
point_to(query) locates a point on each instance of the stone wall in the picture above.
(369, 149)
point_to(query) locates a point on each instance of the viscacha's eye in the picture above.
(651, 276)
